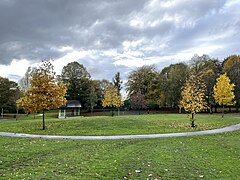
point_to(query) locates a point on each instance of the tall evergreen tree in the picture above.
(117, 82)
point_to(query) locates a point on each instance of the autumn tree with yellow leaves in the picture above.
(46, 91)
(193, 97)
(223, 91)
(112, 98)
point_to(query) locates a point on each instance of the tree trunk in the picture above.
(237, 107)
(192, 119)
(192, 124)
(211, 110)
(112, 111)
(43, 121)
(222, 111)
(230, 110)
(215, 108)
(17, 114)
(91, 110)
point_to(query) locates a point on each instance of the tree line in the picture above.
(146, 86)
(164, 88)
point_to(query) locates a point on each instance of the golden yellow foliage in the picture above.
(230, 62)
(45, 92)
(111, 97)
(223, 91)
(193, 95)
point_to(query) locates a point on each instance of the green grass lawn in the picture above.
(106, 125)
(198, 157)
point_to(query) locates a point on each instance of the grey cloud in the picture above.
(101, 67)
(206, 27)
(36, 30)
(44, 24)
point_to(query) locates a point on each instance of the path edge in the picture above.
(115, 137)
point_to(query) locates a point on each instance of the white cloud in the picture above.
(65, 48)
(69, 57)
(134, 62)
(15, 70)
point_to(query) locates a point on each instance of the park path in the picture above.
(142, 136)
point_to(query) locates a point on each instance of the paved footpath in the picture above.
(146, 136)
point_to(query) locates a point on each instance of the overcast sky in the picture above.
(107, 36)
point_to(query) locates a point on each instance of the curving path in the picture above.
(147, 136)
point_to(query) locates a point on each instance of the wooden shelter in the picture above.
(71, 109)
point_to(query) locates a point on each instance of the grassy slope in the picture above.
(200, 157)
(105, 125)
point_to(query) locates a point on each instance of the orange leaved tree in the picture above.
(46, 91)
